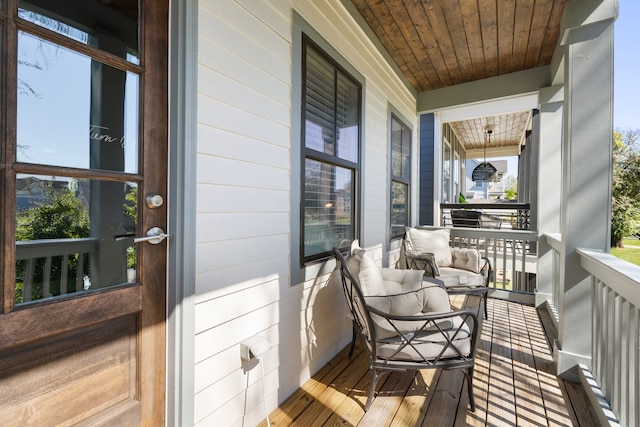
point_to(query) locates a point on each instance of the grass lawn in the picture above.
(630, 252)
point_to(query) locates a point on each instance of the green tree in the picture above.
(625, 189)
(510, 184)
(58, 215)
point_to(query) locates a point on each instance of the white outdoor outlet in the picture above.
(254, 347)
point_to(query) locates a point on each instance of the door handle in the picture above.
(155, 235)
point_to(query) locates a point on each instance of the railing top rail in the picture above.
(496, 206)
(554, 240)
(28, 249)
(528, 235)
(619, 275)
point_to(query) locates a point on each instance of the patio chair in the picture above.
(462, 270)
(405, 323)
(474, 219)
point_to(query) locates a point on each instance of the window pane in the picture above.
(328, 206)
(400, 150)
(319, 104)
(399, 208)
(446, 174)
(74, 111)
(108, 25)
(347, 117)
(332, 109)
(73, 235)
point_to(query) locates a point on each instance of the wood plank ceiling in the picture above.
(441, 43)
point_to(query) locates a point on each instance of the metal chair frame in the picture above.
(364, 327)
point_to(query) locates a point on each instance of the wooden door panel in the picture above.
(65, 379)
(27, 325)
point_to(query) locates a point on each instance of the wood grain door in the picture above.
(83, 152)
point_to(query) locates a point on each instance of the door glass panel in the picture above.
(73, 235)
(111, 26)
(74, 111)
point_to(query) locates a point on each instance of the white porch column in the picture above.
(587, 48)
(549, 167)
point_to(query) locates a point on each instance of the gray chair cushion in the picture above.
(466, 259)
(451, 277)
(370, 276)
(430, 299)
(434, 241)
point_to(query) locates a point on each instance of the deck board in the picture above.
(514, 384)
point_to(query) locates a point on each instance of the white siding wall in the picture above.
(243, 202)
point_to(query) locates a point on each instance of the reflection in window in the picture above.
(106, 25)
(74, 111)
(328, 214)
(72, 235)
(400, 175)
(331, 117)
(446, 174)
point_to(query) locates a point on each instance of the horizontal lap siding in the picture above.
(243, 216)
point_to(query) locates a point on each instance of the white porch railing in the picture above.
(555, 242)
(615, 328)
(512, 254)
(49, 249)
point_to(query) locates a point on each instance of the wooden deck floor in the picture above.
(514, 385)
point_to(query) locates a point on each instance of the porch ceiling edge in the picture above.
(504, 86)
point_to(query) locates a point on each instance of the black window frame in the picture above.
(328, 159)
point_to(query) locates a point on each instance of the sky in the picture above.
(626, 97)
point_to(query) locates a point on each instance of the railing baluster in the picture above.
(27, 284)
(608, 380)
(64, 273)
(635, 365)
(46, 278)
(80, 273)
(617, 345)
(598, 325)
(625, 369)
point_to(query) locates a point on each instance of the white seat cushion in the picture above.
(451, 277)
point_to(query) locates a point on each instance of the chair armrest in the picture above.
(409, 326)
(422, 261)
(486, 271)
(424, 317)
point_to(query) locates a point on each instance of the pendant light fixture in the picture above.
(485, 171)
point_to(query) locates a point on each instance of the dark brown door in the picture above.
(83, 152)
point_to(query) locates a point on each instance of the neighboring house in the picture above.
(492, 189)
(259, 134)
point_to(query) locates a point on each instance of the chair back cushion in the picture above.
(430, 299)
(370, 276)
(466, 259)
(434, 241)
